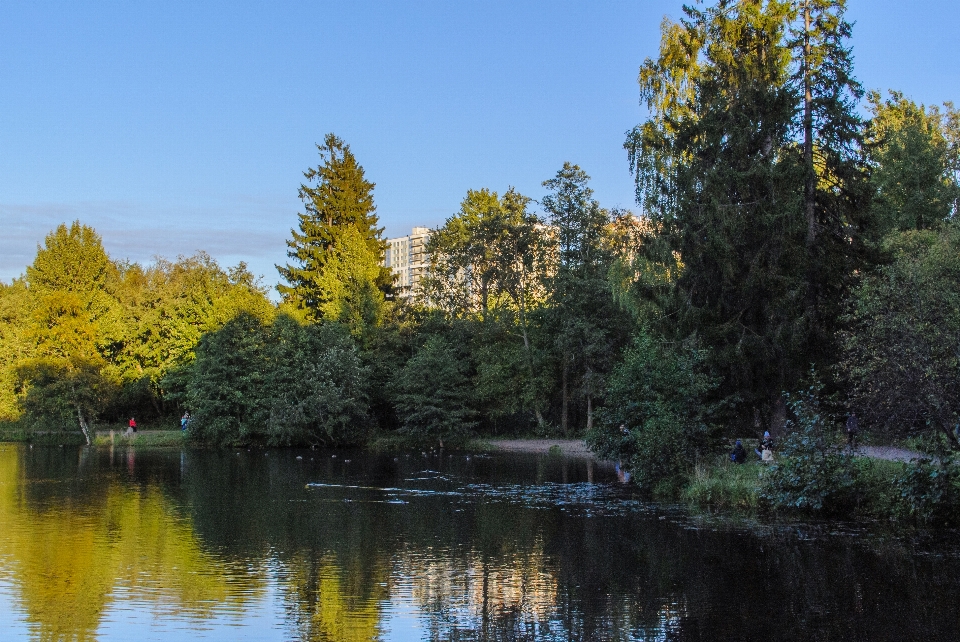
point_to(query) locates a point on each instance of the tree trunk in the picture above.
(809, 191)
(565, 405)
(810, 182)
(589, 411)
(83, 425)
(526, 347)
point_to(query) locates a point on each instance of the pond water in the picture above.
(313, 545)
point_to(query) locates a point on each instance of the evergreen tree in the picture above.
(339, 208)
(583, 315)
(752, 106)
(836, 192)
(224, 391)
(315, 388)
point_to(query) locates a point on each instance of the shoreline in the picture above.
(569, 447)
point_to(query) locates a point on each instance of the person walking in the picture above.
(133, 425)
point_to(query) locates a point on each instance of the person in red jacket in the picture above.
(133, 425)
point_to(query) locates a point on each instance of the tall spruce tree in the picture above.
(585, 318)
(748, 171)
(339, 212)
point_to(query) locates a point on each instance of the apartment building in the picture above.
(407, 257)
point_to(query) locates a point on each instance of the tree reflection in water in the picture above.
(439, 548)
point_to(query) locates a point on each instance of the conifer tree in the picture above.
(749, 172)
(338, 198)
(583, 313)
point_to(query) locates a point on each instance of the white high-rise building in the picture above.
(407, 257)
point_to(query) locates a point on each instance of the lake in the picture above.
(319, 545)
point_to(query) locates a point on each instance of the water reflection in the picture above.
(261, 545)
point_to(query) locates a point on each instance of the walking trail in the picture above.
(577, 447)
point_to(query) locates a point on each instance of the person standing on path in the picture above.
(133, 425)
(852, 430)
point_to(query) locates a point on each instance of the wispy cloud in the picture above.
(250, 229)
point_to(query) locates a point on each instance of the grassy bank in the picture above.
(154, 438)
(720, 484)
(876, 489)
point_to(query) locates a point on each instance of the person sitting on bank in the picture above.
(766, 443)
(739, 454)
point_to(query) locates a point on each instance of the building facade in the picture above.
(407, 257)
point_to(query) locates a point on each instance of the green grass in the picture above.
(720, 483)
(160, 439)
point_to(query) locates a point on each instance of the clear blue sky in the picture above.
(178, 126)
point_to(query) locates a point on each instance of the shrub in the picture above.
(812, 473)
(432, 395)
(928, 488)
(658, 395)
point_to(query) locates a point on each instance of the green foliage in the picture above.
(16, 346)
(83, 336)
(753, 263)
(658, 393)
(62, 394)
(167, 308)
(223, 391)
(316, 385)
(489, 263)
(914, 171)
(586, 324)
(280, 384)
(929, 490)
(432, 395)
(75, 314)
(902, 343)
(336, 274)
(812, 473)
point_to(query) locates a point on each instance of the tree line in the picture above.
(783, 234)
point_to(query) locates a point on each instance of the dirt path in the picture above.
(567, 446)
(579, 448)
(889, 453)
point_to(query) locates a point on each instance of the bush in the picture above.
(928, 489)
(432, 395)
(658, 395)
(812, 473)
(282, 384)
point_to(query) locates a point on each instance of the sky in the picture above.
(173, 127)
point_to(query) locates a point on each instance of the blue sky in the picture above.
(173, 127)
